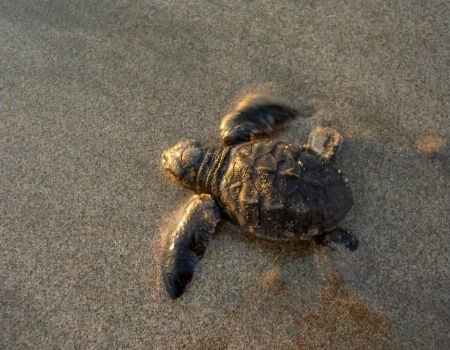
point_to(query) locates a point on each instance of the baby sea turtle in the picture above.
(274, 189)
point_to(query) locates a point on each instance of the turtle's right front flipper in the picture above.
(256, 114)
(189, 243)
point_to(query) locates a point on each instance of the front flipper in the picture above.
(256, 114)
(325, 141)
(189, 243)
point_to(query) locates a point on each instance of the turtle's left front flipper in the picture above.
(189, 243)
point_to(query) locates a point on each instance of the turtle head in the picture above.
(183, 161)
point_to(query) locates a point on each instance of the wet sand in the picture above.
(93, 92)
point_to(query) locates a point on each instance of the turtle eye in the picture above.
(177, 170)
(192, 156)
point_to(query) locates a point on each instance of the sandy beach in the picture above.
(92, 92)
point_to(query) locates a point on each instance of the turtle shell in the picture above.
(281, 191)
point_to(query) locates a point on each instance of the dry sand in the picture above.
(92, 92)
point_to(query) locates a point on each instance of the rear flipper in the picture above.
(256, 114)
(325, 141)
(344, 258)
(338, 238)
(189, 243)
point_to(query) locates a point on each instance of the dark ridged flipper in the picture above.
(189, 243)
(255, 115)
